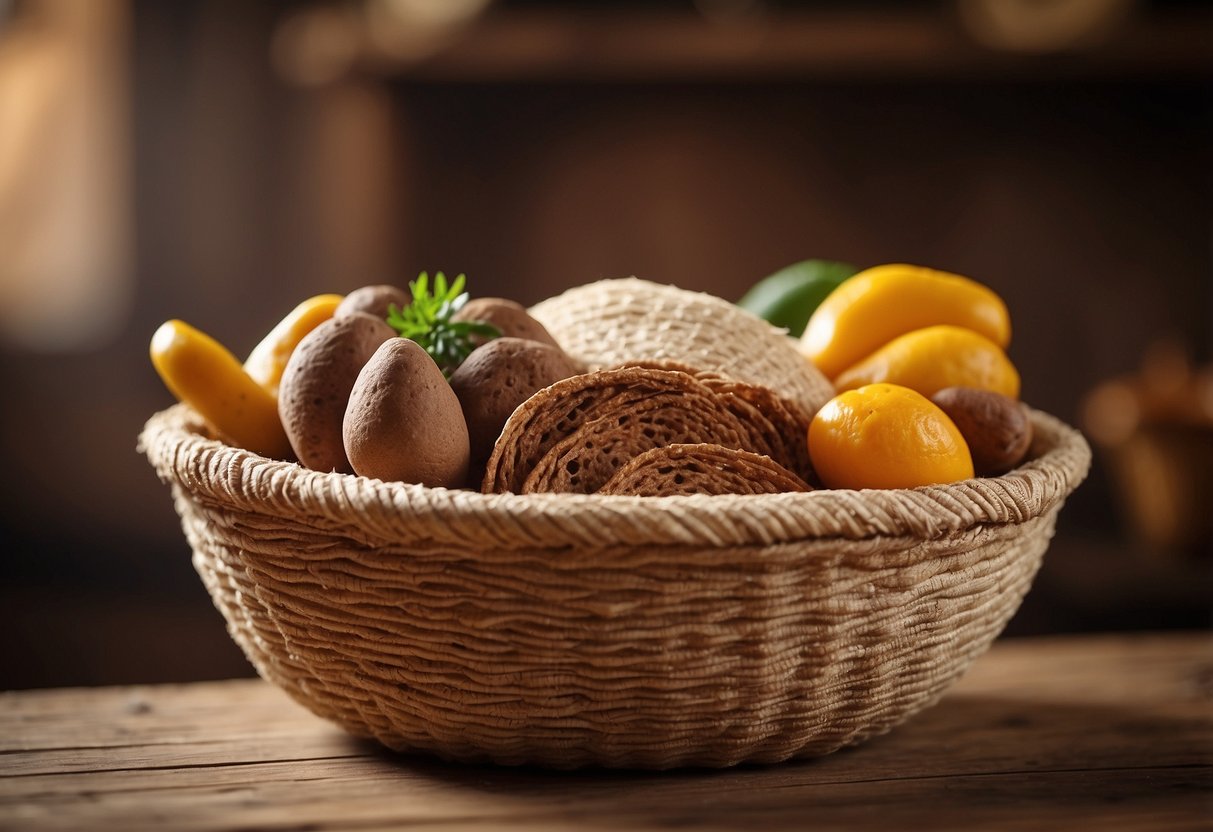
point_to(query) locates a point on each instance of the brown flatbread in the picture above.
(556, 412)
(672, 366)
(701, 469)
(574, 435)
(780, 427)
(582, 462)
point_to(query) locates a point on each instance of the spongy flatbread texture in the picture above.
(585, 460)
(615, 322)
(554, 413)
(776, 425)
(780, 425)
(574, 435)
(701, 469)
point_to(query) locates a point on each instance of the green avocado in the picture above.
(788, 297)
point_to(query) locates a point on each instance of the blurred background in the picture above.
(219, 160)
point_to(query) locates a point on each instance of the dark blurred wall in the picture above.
(1084, 201)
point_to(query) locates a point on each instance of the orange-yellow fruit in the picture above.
(930, 359)
(268, 359)
(878, 304)
(886, 436)
(202, 373)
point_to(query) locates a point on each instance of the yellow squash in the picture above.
(875, 306)
(268, 359)
(202, 373)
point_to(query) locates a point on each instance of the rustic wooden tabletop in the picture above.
(1108, 732)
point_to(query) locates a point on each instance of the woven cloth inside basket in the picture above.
(615, 322)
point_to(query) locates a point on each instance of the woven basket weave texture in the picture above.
(568, 630)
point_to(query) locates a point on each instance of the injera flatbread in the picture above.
(782, 424)
(574, 435)
(555, 412)
(582, 462)
(701, 469)
(779, 424)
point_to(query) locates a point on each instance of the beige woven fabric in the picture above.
(615, 322)
(567, 630)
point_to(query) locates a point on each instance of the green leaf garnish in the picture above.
(427, 320)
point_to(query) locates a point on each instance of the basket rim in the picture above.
(214, 473)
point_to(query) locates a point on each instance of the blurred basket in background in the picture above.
(1154, 428)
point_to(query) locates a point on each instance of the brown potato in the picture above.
(509, 317)
(499, 376)
(316, 386)
(996, 428)
(403, 422)
(373, 300)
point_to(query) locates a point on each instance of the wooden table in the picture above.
(1107, 733)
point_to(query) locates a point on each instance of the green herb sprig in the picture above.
(427, 320)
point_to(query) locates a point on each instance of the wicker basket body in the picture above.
(570, 630)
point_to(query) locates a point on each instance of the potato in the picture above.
(996, 428)
(509, 317)
(499, 376)
(373, 300)
(403, 421)
(316, 384)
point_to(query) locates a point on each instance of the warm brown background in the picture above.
(1076, 185)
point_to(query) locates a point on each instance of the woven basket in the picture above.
(569, 630)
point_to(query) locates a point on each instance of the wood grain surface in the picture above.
(1109, 732)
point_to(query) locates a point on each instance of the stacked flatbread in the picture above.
(677, 470)
(576, 435)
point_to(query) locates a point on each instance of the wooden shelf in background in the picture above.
(888, 44)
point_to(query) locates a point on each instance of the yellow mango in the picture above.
(928, 360)
(886, 436)
(202, 373)
(268, 359)
(878, 304)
